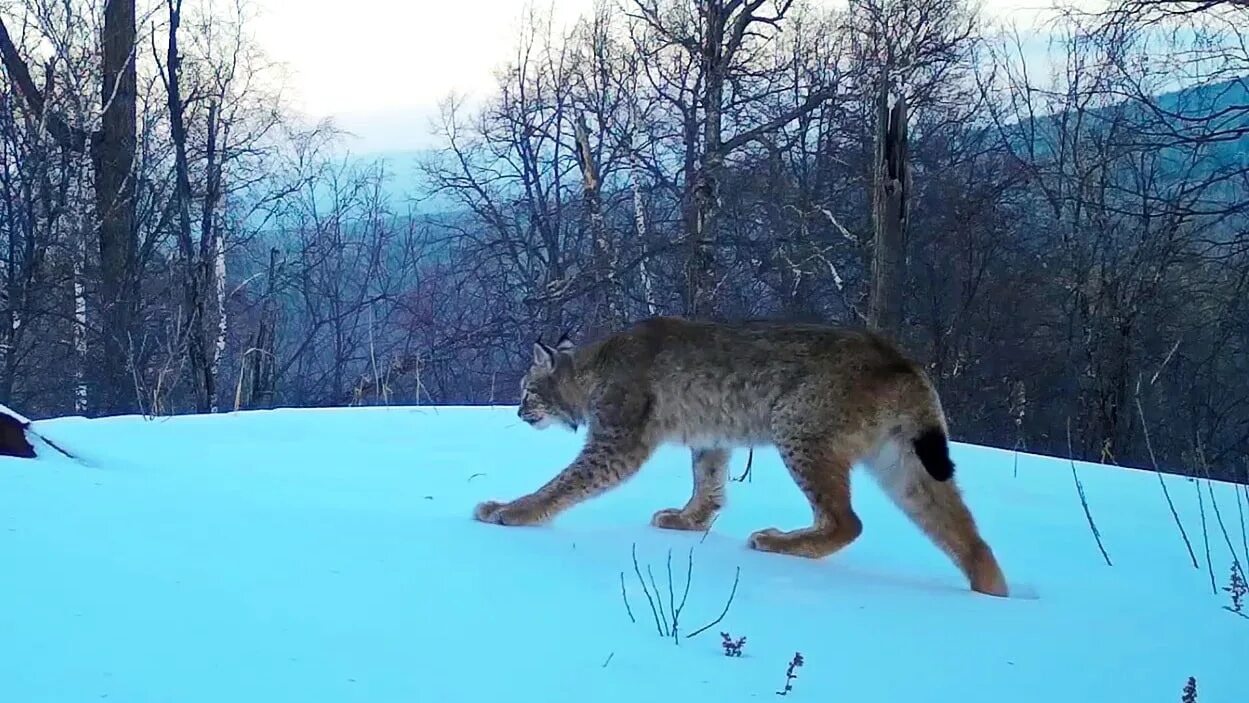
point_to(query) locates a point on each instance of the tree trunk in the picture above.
(193, 323)
(211, 288)
(256, 377)
(78, 330)
(639, 221)
(700, 265)
(219, 299)
(605, 298)
(112, 151)
(889, 214)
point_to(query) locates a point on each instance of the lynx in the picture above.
(826, 398)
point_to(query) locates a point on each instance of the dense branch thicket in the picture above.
(1076, 248)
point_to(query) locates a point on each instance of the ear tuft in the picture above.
(564, 344)
(543, 356)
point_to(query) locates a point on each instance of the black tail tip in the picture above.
(934, 453)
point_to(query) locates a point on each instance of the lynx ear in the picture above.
(543, 356)
(564, 344)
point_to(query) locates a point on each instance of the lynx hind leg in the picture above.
(710, 468)
(937, 508)
(821, 468)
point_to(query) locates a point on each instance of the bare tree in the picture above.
(112, 151)
(713, 40)
(892, 183)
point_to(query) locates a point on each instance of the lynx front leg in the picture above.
(710, 474)
(605, 462)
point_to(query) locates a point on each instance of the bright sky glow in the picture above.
(380, 67)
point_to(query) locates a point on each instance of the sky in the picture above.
(381, 67)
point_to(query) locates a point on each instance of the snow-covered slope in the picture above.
(329, 556)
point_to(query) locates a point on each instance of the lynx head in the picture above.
(545, 390)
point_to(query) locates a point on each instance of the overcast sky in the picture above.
(380, 67)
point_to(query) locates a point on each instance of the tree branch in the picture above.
(68, 137)
(813, 101)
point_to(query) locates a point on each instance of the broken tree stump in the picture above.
(13, 439)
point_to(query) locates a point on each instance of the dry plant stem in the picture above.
(668, 620)
(1190, 691)
(1205, 536)
(50, 443)
(625, 597)
(676, 611)
(672, 603)
(736, 577)
(717, 517)
(1244, 535)
(750, 460)
(654, 611)
(1218, 514)
(1158, 472)
(663, 615)
(790, 676)
(1083, 500)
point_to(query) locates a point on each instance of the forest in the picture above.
(1052, 219)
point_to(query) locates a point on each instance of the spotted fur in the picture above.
(826, 398)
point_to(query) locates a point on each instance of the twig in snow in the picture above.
(1218, 514)
(1018, 405)
(672, 601)
(750, 460)
(658, 627)
(662, 615)
(668, 616)
(678, 607)
(1190, 691)
(609, 658)
(1158, 471)
(1237, 588)
(625, 597)
(732, 647)
(713, 522)
(1083, 500)
(1240, 509)
(790, 674)
(736, 577)
(52, 444)
(1015, 451)
(1205, 536)
(1244, 535)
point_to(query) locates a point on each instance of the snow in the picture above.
(14, 414)
(328, 555)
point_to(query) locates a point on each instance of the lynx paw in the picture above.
(768, 540)
(501, 513)
(675, 519)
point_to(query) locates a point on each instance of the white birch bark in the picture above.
(219, 297)
(639, 219)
